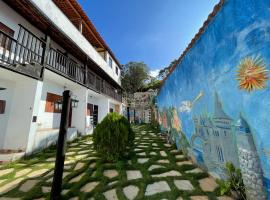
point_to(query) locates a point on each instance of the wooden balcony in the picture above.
(24, 55)
(28, 55)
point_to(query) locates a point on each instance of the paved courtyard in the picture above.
(154, 170)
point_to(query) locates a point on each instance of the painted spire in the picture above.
(219, 112)
(249, 162)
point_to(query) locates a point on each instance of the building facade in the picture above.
(47, 47)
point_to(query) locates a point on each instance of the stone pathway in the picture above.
(154, 170)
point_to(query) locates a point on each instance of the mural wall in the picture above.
(215, 105)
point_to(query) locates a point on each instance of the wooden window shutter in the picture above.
(89, 109)
(50, 101)
(6, 29)
(2, 106)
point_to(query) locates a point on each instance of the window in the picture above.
(111, 110)
(50, 103)
(116, 70)
(2, 106)
(110, 62)
(89, 109)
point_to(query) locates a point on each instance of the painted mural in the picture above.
(215, 105)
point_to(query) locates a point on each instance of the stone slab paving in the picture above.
(154, 171)
(208, 184)
(199, 198)
(28, 185)
(89, 187)
(163, 153)
(111, 195)
(5, 171)
(111, 173)
(168, 174)
(183, 185)
(131, 192)
(152, 167)
(133, 174)
(11, 185)
(142, 160)
(22, 172)
(157, 187)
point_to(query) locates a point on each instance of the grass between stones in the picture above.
(92, 167)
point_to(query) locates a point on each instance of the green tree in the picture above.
(134, 76)
(164, 72)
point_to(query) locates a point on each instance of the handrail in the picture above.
(28, 49)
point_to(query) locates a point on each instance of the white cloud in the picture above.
(154, 73)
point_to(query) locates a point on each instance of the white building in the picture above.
(46, 47)
(142, 105)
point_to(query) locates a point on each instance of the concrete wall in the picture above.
(47, 120)
(7, 96)
(219, 91)
(21, 95)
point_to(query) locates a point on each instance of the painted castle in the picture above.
(221, 141)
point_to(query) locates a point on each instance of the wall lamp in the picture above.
(74, 103)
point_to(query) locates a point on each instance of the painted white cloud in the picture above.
(186, 106)
(154, 73)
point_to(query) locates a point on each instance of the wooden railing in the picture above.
(22, 54)
(26, 55)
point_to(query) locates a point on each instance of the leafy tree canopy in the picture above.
(164, 72)
(134, 76)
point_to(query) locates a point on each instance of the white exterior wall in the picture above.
(7, 96)
(48, 120)
(60, 20)
(79, 113)
(22, 101)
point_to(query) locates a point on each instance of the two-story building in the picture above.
(46, 47)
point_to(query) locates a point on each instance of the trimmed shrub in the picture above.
(113, 137)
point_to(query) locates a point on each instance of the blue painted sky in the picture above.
(153, 31)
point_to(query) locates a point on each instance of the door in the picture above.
(95, 115)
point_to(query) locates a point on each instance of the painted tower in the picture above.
(249, 162)
(218, 140)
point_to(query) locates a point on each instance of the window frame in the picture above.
(110, 62)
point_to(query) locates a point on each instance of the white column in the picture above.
(79, 113)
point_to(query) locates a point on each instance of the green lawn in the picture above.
(86, 176)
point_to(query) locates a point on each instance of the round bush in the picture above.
(113, 137)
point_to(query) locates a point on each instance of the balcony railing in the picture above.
(26, 55)
(65, 66)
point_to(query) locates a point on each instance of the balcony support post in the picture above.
(45, 55)
(86, 72)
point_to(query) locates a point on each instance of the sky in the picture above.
(151, 31)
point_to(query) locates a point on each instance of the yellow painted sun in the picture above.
(252, 74)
